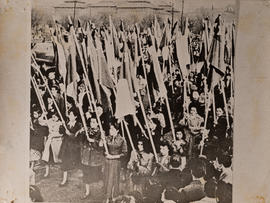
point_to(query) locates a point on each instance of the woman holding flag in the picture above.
(70, 149)
(117, 148)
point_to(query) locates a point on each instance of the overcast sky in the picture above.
(189, 5)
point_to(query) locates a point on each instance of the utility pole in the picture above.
(74, 8)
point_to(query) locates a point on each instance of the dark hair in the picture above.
(172, 193)
(211, 152)
(164, 143)
(153, 192)
(55, 87)
(74, 111)
(71, 101)
(197, 167)
(51, 114)
(210, 188)
(175, 161)
(35, 194)
(146, 144)
(137, 195)
(224, 192)
(114, 124)
(93, 116)
(36, 109)
(225, 160)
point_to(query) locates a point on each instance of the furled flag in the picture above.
(182, 52)
(72, 75)
(104, 74)
(216, 55)
(61, 61)
(157, 71)
(93, 67)
(124, 104)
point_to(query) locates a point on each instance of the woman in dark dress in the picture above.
(70, 149)
(117, 148)
(92, 156)
(38, 132)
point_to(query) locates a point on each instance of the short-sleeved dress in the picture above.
(92, 157)
(112, 169)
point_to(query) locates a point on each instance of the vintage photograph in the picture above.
(132, 101)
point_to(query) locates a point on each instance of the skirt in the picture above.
(35, 155)
(91, 174)
(112, 177)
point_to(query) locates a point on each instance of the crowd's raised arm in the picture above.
(151, 106)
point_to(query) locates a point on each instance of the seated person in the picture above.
(224, 192)
(195, 190)
(140, 163)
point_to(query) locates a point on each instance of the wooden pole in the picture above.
(205, 123)
(39, 97)
(129, 136)
(147, 127)
(140, 126)
(170, 117)
(83, 120)
(86, 80)
(225, 104)
(214, 105)
(56, 106)
(144, 72)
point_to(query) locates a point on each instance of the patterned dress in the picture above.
(116, 146)
(141, 164)
(92, 157)
(37, 136)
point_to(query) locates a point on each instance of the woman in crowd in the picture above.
(91, 156)
(53, 143)
(140, 163)
(117, 148)
(38, 132)
(70, 149)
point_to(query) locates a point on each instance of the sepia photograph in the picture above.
(132, 101)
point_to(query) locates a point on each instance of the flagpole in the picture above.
(98, 117)
(83, 120)
(214, 105)
(147, 127)
(225, 104)
(170, 64)
(39, 97)
(88, 83)
(170, 117)
(128, 133)
(56, 106)
(144, 72)
(140, 126)
(207, 104)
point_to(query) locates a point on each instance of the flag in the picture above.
(182, 53)
(104, 74)
(157, 31)
(93, 67)
(216, 55)
(115, 39)
(72, 75)
(61, 61)
(105, 98)
(124, 104)
(157, 72)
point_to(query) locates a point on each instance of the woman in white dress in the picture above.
(53, 143)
